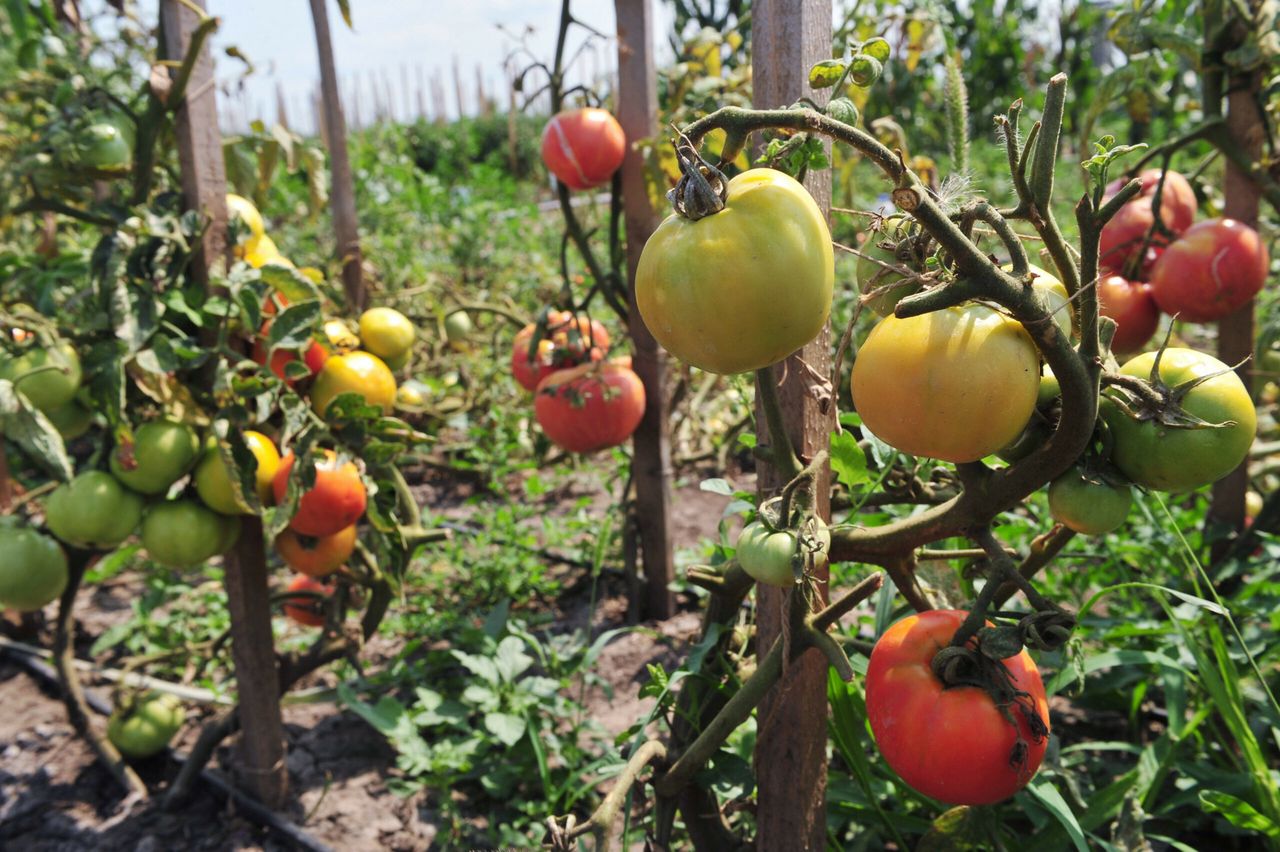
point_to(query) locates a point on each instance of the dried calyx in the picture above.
(702, 188)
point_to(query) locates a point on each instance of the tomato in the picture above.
(259, 251)
(743, 288)
(889, 245)
(214, 481)
(33, 569)
(583, 147)
(457, 328)
(354, 372)
(242, 209)
(93, 511)
(316, 556)
(183, 533)
(591, 407)
(1054, 292)
(161, 453)
(1131, 305)
(305, 609)
(1123, 237)
(951, 743)
(104, 152)
(386, 333)
(1212, 270)
(336, 501)
(341, 339)
(766, 556)
(314, 356)
(56, 382)
(569, 341)
(956, 384)
(144, 726)
(1177, 199)
(71, 420)
(1167, 458)
(1087, 504)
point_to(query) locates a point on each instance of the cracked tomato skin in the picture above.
(583, 147)
(743, 288)
(951, 744)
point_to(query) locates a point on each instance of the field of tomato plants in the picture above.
(841, 426)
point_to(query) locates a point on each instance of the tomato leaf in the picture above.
(848, 462)
(716, 486)
(293, 327)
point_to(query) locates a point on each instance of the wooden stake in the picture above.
(651, 467)
(457, 87)
(204, 188)
(788, 37)
(282, 114)
(342, 194)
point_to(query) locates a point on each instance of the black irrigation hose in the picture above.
(247, 805)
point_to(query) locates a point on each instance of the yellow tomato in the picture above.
(239, 207)
(213, 480)
(386, 333)
(956, 384)
(354, 372)
(340, 337)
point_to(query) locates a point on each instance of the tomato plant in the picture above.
(335, 502)
(1161, 450)
(956, 384)
(143, 725)
(354, 372)
(714, 300)
(952, 743)
(93, 511)
(33, 568)
(1087, 503)
(316, 556)
(161, 452)
(583, 147)
(591, 407)
(183, 533)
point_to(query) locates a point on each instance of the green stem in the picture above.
(782, 453)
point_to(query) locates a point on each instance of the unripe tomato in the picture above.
(316, 556)
(766, 556)
(161, 453)
(570, 341)
(386, 333)
(583, 147)
(457, 327)
(335, 502)
(743, 288)
(1212, 270)
(1253, 503)
(956, 384)
(1054, 292)
(104, 152)
(1088, 505)
(259, 251)
(341, 339)
(412, 395)
(213, 479)
(591, 407)
(1168, 458)
(354, 372)
(33, 569)
(886, 248)
(183, 533)
(951, 743)
(93, 511)
(144, 726)
(56, 382)
(241, 208)
(1130, 304)
(71, 420)
(304, 609)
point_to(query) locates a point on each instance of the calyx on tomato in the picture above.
(887, 259)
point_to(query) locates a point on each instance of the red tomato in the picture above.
(314, 357)
(953, 744)
(590, 407)
(1212, 270)
(1177, 199)
(316, 557)
(1124, 235)
(583, 147)
(1130, 304)
(568, 343)
(335, 502)
(307, 610)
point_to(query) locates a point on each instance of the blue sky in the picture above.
(388, 36)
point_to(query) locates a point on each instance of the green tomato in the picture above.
(33, 569)
(886, 247)
(163, 451)
(104, 151)
(71, 420)
(1050, 389)
(766, 556)
(50, 388)
(183, 534)
(1166, 458)
(144, 726)
(93, 511)
(1088, 506)
(1054, 292)
(457, 327)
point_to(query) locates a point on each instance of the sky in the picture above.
(391, 38)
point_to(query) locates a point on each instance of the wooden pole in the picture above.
(204, 188)
(789, 36)
(651, 467)
(342, 194)
(457, 87)
(422, 93)
(407, 92)
(282, 114)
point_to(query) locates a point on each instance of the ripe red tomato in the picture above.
(569, 341)
(1213, 269)
(314, 356)
(583, 147)
(1177, 199)
(1131, 305)
(953, 744)
(1125, 234)
(335, 502)
(591, 407)
(305, 609)
(316, 556)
